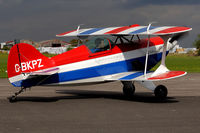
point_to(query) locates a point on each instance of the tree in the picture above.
(197, 44)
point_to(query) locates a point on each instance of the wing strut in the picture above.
(147, 52)
(162, 68)
(78, 33)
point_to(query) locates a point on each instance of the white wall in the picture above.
(53, 50)
(2, 44)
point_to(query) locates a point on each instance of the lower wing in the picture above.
(140, 76)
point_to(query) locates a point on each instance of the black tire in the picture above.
(161, 92)
(128, 89)
(12, 99)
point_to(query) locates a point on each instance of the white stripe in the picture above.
(152, 30)
(17, 78)
(71, 33)
(100, 61)
(172, 32)
(145, 32)
(103, 31)
(125, 32)
(131, 30)
(159, 29)
(88, 80)
(95, 79)
(26, 75)
(119, 75)
(108, 59)
(75, 33)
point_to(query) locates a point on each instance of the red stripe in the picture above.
(65, 33)
(82, 53)
(173, 29)
(167, 75)
(121, 29)
(76, 55)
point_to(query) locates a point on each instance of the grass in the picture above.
(180, 62)
(3, 65)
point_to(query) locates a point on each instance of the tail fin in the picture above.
(24, 58)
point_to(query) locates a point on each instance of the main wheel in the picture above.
(161, 92)
(128, 88)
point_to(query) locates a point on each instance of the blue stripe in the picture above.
(94, 71)
(91, 31)
(85, 73)
(132, 76)
(142, 30)
(102, 70)
(17, 84)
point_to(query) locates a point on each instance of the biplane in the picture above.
(128, 59)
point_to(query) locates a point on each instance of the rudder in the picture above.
(24, 58)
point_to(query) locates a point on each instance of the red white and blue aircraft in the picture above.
(100, 60)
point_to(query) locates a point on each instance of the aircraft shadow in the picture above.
(145, 97)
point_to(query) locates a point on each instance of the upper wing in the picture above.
(127, 30)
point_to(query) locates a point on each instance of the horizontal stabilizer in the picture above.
(49, 71)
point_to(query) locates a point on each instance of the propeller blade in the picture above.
(176, 37)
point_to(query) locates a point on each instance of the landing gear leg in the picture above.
(128, 88)
(14, 97)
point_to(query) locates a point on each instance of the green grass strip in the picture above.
(176, 62)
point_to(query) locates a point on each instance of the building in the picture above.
(52, 43)
(2, 45)
(28, 42)
(7, 45)
(181, 50)
(54, 46)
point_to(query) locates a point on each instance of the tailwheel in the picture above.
(14, 97)
(161, 92)
(128, 88)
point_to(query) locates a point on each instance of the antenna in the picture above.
(78, 28)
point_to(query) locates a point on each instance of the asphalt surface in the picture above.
(102, 108)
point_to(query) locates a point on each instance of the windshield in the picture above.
(98, 44)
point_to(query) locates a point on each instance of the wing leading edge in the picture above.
(127, 30)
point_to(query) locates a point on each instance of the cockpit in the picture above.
(99, 44)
